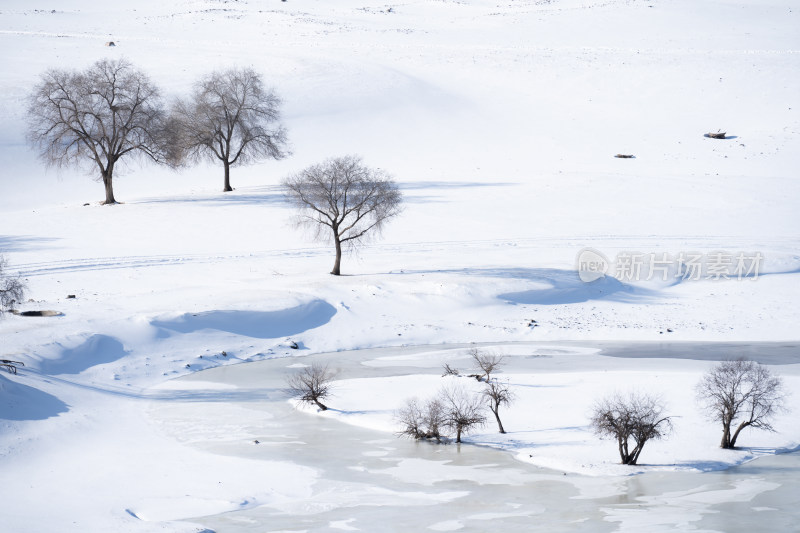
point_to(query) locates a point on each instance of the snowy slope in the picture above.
(499, 120)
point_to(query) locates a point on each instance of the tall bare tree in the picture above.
(463, 411)
(632, 420)
(740, 393)
(12, 288)
(232, 118)
(97, 117)
(498, 394)
(312, 384)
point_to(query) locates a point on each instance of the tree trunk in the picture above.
(337, 265)
(726, 436)
(458, 434)
(227, 187)
(321, 406)
(499, 424)
(736, 434)
(107, 182)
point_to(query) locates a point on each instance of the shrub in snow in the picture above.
(421, 421)
(632, 420)
(12, 289)
(312, 384)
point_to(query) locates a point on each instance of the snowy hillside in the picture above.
(500, 121)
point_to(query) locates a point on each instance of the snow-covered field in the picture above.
(500, 121)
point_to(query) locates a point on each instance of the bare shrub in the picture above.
(449, 371)
(740, 393)
(12, 288)
(487, 362)
(632, 420)
(421, 421)
(312, 384)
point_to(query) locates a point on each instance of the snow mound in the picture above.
(257, 324)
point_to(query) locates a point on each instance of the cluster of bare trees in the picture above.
(737, 393)
(455, 408)
(111, 113)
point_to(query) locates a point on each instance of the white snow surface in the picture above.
(500, 121)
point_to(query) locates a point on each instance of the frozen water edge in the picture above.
(367, 479)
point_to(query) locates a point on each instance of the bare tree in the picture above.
(421, 421)
(96, 117)
(497, 394)
(312, 384)
(632, 420)
(740, 393)
(12, 288)
(346, 197)
(232, 118)
(487, 362)
(463, 411)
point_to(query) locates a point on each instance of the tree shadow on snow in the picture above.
(96, 350)
(256, 324)
(270, 195)
(17, 243)
(557, 286)
(23, 402)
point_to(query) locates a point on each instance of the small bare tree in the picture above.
(97, 117)
(312, 384)
(421, 421)
(632, 420)
(463, 411)
(486, 362)
(12, 288)
(497, 394)
(347, 198)
(740, 393)
(232, 118)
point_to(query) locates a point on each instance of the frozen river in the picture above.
(371, 481)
